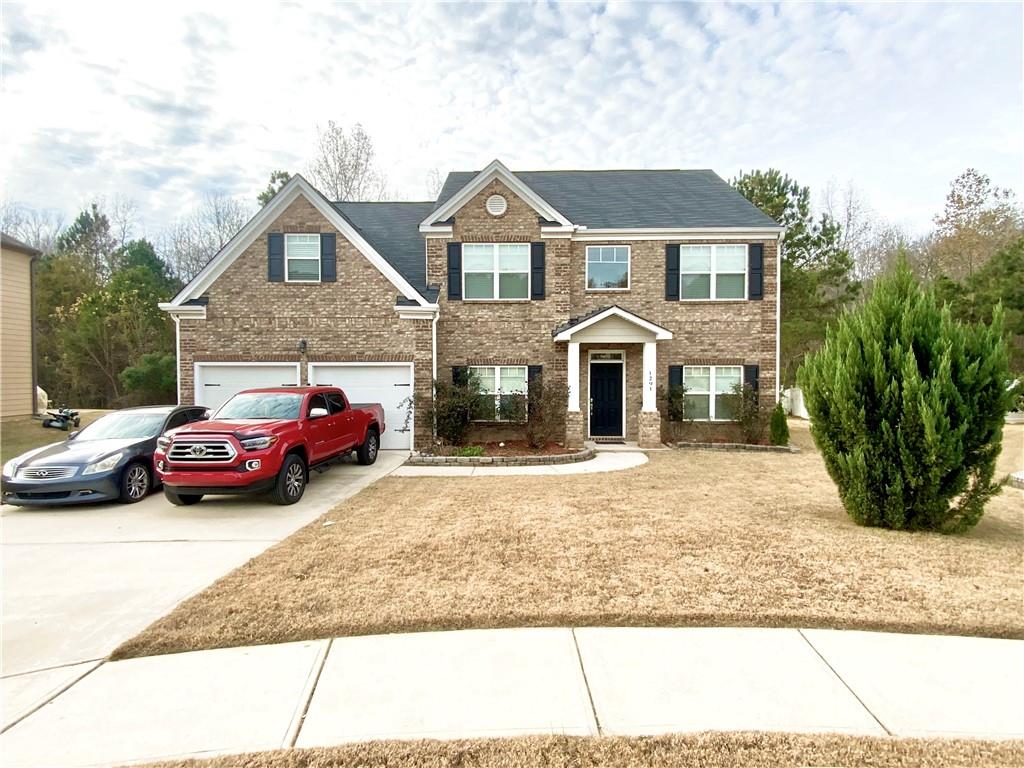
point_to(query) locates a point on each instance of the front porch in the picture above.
(612, 364)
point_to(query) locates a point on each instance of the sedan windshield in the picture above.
(126, 424)
(261, 405)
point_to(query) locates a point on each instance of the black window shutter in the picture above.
(533, 371)
(675, 376)
(672, 273)
(455, 271)
(751, 376)
(460, 375)
(536, 271)
(275, 257)
(755, 274)
(328, 258)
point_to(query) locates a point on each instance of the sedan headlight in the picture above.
(103, 465)
(10, 468)
(163, 443)
(258, 443)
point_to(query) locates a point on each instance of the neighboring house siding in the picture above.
(16, 393)
(352, 319)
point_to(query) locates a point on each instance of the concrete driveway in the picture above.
(79, 581)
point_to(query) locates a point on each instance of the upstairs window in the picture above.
(302, 258)
(502, 392)
(495, 271)
(712, 272)
(708, 390)
(607, 267)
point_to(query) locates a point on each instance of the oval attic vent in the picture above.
(496, 205)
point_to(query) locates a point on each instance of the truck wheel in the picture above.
(291, 480)
(135, 483)
(181, 499)
(367, 453)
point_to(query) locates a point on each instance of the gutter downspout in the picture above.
(778, 314)
(32, 340)
(177, 356)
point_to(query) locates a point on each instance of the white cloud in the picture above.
(165, 102)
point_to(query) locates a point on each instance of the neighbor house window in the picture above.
(496, 270)
(302, 258)
(502, 392)
(712, 272)
(607, 267)
(708, 390)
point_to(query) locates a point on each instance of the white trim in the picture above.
(311, 368)
(417, 313)
(573, 371)
(713, 273)
(711, 393)
(677, 233)
(177, 358)
(660, 334)
(197, 378)
(494, 170)
(586, 269)
(319, 257)
(439, 232)
(496, 272)
(649, 401)
(186, 311)
(296, 187)
(590, 394)
(778, 317)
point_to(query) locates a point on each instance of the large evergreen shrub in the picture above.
(779, 434)
(907, 408)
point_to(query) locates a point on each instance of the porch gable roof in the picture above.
(567, 330)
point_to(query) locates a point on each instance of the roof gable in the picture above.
(567, 330)
(476, 182)
(295, 188)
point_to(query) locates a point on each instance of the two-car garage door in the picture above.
(387, 383)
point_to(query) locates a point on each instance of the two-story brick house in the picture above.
(614, 283)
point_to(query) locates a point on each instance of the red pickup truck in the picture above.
(266, 441)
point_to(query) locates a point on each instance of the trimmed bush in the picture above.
(907, 408)
(779, 429)
(545, 407)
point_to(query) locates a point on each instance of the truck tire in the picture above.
(367, 452)
(181, 499)
(291, 480)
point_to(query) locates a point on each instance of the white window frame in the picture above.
(497, 395)
(496, 272)
(287, 258)
(711, 384)
(629, 268)
(713, 290)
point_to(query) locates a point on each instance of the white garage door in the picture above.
(388, 384)
(216, 382)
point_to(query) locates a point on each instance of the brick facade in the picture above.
(354, 319)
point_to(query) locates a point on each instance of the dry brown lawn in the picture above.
(723, 750)
(692, 538)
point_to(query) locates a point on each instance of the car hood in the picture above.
(75, 452)
(234, 427)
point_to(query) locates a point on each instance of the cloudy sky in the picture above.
(163, 102)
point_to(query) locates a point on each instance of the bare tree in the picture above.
(124, 217)
(344, 167)
(190, 243)
(434, 183)
(859, 226)
(35, 227)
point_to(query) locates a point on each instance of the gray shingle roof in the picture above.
(6, 241)
(627, 199)
(393, 231)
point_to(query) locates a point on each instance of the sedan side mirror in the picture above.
(317, 413)
(73, 435)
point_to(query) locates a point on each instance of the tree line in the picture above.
(102, 341)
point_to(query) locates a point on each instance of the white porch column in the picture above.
(574, 375)
(650, 374)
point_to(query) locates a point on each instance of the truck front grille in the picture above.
(201, 451)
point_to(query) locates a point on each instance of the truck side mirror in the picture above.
(317, 413)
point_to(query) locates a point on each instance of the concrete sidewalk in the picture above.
(480, 683)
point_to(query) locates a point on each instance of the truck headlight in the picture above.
(258, 443)
(163, 443)
(103, 465)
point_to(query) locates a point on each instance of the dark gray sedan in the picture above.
(111, 459)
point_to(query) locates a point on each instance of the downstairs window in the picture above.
(708, 390)
(502, 392)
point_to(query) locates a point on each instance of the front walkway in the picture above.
(507, 682)
(602, 462)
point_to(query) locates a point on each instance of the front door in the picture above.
(606, 399)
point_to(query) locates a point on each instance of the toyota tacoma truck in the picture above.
(266, 441)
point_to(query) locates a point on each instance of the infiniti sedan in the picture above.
(111, 459)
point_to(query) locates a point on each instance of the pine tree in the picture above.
(907, 407)
(779, 429)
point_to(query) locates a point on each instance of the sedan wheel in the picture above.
(135, 483)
